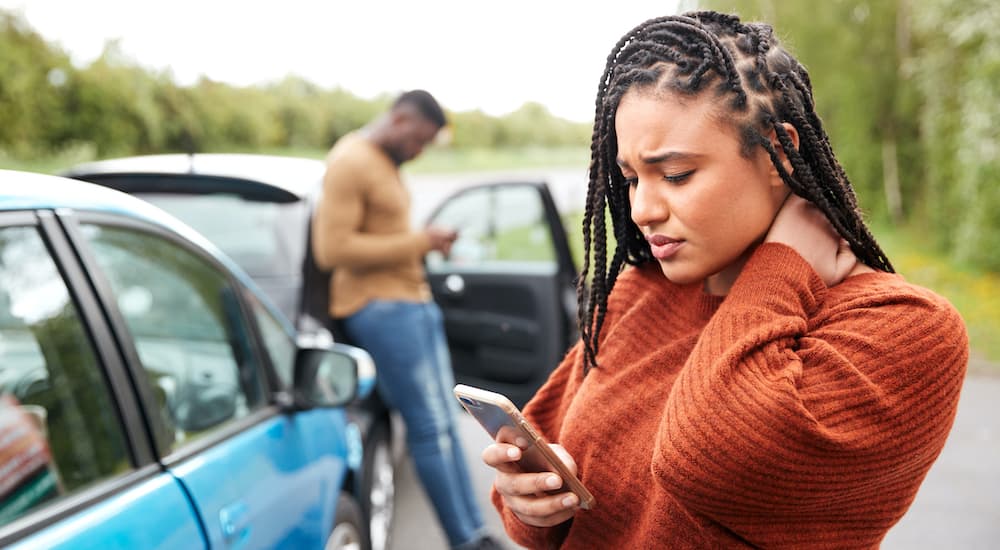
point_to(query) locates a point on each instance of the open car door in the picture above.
(507, 288)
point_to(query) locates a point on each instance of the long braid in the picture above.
(766, 86)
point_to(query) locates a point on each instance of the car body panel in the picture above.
(273, 485)
(124, 522)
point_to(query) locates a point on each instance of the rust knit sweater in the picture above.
(786, 415)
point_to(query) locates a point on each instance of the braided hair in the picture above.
(760, 84)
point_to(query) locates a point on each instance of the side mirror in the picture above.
(331, 375)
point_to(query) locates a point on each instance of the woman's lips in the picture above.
(662, 246)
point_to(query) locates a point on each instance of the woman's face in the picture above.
(701, 204)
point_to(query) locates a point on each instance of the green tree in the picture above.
(853, 50)
(958, 75)
(111, 104)
(32, 82)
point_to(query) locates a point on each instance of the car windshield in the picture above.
(267, 239)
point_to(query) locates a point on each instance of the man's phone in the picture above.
(504, 422)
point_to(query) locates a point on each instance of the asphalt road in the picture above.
(958, 505)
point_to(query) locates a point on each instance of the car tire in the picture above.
(349, 531)
(379, 485)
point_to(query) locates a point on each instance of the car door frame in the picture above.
(143, 465)
(564, 280)
(142, 384)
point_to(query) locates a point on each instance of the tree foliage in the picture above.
(116, 107)
(909, 92)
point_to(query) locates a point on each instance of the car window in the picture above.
(59, 431)
(279, 345)
(498, 227)
(185, 319)
(267, 239)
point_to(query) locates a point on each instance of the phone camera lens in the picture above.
(468, 402)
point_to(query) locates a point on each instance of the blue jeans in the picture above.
(407, 342)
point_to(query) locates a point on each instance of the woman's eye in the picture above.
(678, 178)
(631, 182)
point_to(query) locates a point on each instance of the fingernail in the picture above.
(512, 453)
(569, 501)
(553, 482)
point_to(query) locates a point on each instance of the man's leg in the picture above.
(409, 380)
(434, 327)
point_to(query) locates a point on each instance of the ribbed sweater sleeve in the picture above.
(545, 411)
(791, 422)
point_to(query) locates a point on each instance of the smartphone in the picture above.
(504, 422)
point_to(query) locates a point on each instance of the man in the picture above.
(362, 231)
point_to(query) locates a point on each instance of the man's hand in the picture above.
(441, 238)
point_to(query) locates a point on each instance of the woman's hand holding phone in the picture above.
(537, 480)
(533, 497)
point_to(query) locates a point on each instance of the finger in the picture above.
(846, 261)
(520, 484)
(543, 511)
(502, 456)
(564, 455)
(507, 434)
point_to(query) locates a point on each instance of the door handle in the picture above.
(235, 525)
(454, 285)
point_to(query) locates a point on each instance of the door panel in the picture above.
(274, 485)
(503, 330)
(505, 286)
(122, 522)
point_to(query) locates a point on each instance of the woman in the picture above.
(751, 372)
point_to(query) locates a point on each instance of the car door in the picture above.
(76, 465)
(260, 478)
(507, 287)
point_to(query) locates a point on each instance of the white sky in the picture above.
(470, 54)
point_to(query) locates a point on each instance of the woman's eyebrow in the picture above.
(664, 156)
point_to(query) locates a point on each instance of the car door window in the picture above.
(279, 345)
(185, 320)
(496, 225)
(59, 431)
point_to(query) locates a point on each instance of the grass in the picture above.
(435, 159)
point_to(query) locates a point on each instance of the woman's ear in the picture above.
(793, 134)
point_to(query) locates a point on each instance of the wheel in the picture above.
(379, 486)
(348, 528)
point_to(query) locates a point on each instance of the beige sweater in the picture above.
(361, 230)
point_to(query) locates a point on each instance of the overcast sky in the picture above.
(471, 54)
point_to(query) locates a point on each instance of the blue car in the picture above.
(151, 396)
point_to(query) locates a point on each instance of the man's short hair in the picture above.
(425, 103)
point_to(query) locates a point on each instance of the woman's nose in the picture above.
(648, 204)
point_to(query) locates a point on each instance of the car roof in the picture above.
(299, 176)
(33, 191)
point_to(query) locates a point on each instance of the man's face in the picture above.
(410, 133)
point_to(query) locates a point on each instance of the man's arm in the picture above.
(337, 237)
